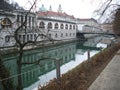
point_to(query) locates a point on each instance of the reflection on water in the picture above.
(43, 70)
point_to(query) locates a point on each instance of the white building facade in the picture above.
(58, 25)
(88, 25)
(10, 21)
(43, 25)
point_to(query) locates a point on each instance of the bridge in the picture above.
(98, 33)
(81, 34)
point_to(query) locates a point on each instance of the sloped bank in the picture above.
(81, 77)
(15, 49)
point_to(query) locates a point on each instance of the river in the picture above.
(33, 74)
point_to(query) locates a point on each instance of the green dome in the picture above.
(42, 9)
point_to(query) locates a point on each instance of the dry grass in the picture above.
(81, 77)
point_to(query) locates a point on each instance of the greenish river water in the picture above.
(33, 74)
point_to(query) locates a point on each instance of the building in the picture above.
(107, 27)
(88, 25)
(58, 25)
(88, 21)
(10, 19)
(42, 25)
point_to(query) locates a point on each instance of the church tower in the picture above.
(60, 8)
(50, 8)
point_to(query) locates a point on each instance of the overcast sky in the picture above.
(78, 8)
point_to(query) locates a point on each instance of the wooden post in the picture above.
(57, 63)
(88, 54)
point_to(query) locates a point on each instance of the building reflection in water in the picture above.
(32, 71)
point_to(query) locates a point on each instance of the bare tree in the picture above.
(105, 11)
(21, 44)
(109, 12)
(116, 22)
(21, 47)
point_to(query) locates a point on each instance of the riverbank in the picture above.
(45, 44)
(81, 77)
(109, 78)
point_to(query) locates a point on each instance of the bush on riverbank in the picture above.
(81, 77)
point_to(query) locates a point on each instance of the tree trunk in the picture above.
(19, 69)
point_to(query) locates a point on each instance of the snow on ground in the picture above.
(102, 45)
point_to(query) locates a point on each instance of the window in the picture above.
(29, 21)
(23, 38)
(21, 19)
(66, 26)
(7, 39)
(56, 25)
(49, 25)
(35, 36)
(27, 37)
(74, 27)
(33, 21)
(70, 26)
(42, 25)
(31, 37)
(6, 22)
(50, 35)
(61, 26)
(56, 35)
(18, 18)
(19, 37)
(62, 35)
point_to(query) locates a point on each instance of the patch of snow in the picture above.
(102, 45)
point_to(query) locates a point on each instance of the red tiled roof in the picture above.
(52, 13)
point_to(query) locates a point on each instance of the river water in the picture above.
(33, 74)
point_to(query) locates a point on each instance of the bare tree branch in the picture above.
(23, 24)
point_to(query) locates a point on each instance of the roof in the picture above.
(52, 13)
(86, 19)
(6, 13)
(6, 6)
(43, 9)
(107, 24)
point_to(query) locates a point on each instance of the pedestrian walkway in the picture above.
(109, 79)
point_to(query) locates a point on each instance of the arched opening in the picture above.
(49, 25)
(56, 35)
(62, 35)
(70, 26)
(61, 26)
(74, 27)
(66, 26)
(56, 25)
(7, 38)
(6, 22)
(49, 35)
(42, 25)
